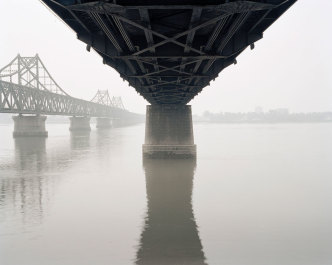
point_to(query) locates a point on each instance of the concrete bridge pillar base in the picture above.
(29, 126)
(104, 123)
(79, 124)
(169, 132)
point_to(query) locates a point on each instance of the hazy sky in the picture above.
(290, 67)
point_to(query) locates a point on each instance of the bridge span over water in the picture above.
(26, 87)
(169, 50)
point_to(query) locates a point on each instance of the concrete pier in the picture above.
(169, 132)
(104, 123)
(79, 124)
(29, 126)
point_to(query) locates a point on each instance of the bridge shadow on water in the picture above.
(170, 234)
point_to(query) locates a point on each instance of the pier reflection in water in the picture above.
(170, 234)
(27, 183)
(80, 141)
(24, 196)
(30, 153)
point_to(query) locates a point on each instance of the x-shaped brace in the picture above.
(174, 38)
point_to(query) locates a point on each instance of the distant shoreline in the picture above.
(209, 122)
(260, 122)
(276, 116)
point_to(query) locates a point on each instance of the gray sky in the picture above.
(288, 68)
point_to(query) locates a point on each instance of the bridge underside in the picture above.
(169, 50)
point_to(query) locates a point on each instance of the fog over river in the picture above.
(257, 194)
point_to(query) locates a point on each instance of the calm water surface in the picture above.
(256, 195)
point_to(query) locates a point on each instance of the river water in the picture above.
(258, 194)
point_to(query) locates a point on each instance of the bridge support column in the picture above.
(104, 123)
(169, 132)
(29, 126)
(79, 124)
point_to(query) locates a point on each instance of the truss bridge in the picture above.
(169, 50)
(27, 87)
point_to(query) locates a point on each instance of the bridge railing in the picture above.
(16, 98)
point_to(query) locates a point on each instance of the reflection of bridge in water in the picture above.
(170, 234)
(26, 87)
